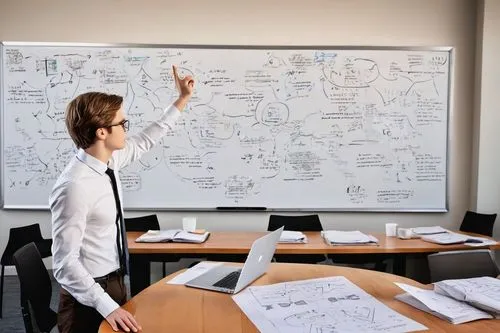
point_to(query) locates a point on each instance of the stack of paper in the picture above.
(481, 292)
(443, 307)
(288, 236)
(336, 237)
(428, 230)
(174, 235)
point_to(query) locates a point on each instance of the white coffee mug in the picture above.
(189, 223)
(391, 229)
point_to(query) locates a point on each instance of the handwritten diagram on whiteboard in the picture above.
(279, 128)
(332, 304)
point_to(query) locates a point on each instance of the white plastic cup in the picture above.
(189, 223)
(391, 229)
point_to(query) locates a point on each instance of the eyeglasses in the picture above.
(124, 123)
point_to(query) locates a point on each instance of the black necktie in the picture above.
(120, 226)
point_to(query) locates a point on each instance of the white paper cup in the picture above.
(391, 229)
(189, 223)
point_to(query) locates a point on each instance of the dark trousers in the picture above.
(74, 317)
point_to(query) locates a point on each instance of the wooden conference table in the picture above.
(230, 243)
(176, 308)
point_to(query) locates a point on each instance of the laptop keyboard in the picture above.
(229, 281)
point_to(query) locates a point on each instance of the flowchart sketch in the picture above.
(324, 305)
(332, 129)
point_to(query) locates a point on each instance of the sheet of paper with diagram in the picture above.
(332, 304)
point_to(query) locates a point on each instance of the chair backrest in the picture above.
(295, 223)
(36, 289)
(478, 223)
(18, 237)
(462, 264)
(142, 223)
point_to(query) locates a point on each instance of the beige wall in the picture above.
(260, 22)
(488, 112)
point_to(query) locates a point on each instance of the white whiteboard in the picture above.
(282, 128)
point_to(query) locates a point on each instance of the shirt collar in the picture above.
(92, 162)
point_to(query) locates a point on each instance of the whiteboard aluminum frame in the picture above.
(451, 87)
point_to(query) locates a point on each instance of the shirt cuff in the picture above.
(169, 117)
(106, 305)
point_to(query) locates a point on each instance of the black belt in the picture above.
(114, 274)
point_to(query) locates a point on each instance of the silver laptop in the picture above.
(230, 279)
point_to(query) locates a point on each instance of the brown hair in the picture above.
(88, 112)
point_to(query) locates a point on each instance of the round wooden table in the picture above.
(175, 308)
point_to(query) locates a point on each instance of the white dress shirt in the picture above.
(84, 214)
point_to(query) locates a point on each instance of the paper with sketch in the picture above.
(288, 236)
(332, 304)
(428, 230)
(356, 237)
(482, 292)
(440, 306)
(194, 272)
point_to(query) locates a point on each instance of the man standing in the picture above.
(89, 250)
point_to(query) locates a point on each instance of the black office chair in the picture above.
(297, 223)
(478, 223)
(36, 290)
(143, 224)
(18, 237)
(462, 264)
